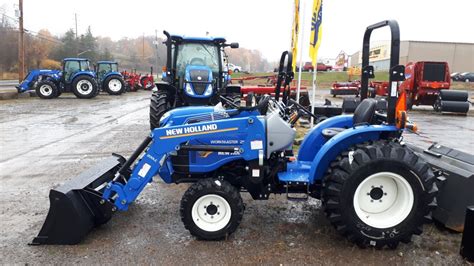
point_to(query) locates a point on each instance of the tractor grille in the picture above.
(199, 88)
(207, 117)
(199, 75)
(434, 72)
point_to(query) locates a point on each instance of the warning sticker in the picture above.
(256, 145)
(145, 168)
(393, 89)
(255, 172)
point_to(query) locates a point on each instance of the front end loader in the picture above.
(374, 190)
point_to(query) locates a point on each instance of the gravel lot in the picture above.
(45, 142)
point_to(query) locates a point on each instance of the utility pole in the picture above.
(21, 45)
(143, 48)
(156, 48)
(75, 18)
(77, 42)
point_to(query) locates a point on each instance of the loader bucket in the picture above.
(77, 206)
(456, 184)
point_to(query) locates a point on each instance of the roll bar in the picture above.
(397, 72)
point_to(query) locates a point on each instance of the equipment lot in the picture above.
(44, 143)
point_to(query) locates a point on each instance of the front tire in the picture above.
(379, 194)
(211, 209)
(114, 85)
(85, 87)
(46, 89)
(159, 105)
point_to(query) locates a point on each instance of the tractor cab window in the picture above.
(198, 54)
(114, 67)
(104, 68)
(70, 67)
(85, 66)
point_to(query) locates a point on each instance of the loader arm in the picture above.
(168, 139)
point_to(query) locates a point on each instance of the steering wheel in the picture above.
(197, 61)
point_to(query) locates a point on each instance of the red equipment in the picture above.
(378, 88)
(345, 88)
(268, 88)
(131, 80)
(424, 80)
(427, 83)
(147, 81)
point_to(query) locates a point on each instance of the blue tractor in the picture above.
(109, 78)
(76, 77)
(374, 189)
(194, 75)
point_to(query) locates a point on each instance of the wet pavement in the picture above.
(45, 142)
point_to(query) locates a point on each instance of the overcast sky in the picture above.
(256, 24)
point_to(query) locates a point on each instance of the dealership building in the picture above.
(460, 56)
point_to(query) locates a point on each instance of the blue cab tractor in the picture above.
(194, 75)
(76, 77)
(109, 78)
(374, 189)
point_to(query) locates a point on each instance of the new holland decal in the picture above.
(194, 130)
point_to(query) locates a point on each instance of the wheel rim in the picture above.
(46, 90)
(383, 200)
(211, 213)
(84, 87)
(148, 84)
(115, 85)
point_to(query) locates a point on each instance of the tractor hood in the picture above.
(191, 114)
(198, 81)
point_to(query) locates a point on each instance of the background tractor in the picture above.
(76, 77)
(109, 78)
(194, 75)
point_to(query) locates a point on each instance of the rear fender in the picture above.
(343, 141)
(168, 88)
(314, 139)
(112, 74)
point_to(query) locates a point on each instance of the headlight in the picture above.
(208, 90)
(189, 89)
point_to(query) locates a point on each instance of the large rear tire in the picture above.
(114, 85)
(211, 209)
(46, 89)
(159, 105)
(379, 194)
(85, 87)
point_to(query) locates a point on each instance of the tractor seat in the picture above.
(363, 114)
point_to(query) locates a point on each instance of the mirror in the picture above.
(234, 45)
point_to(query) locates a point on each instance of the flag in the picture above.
(316, 29)
(294, 33)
